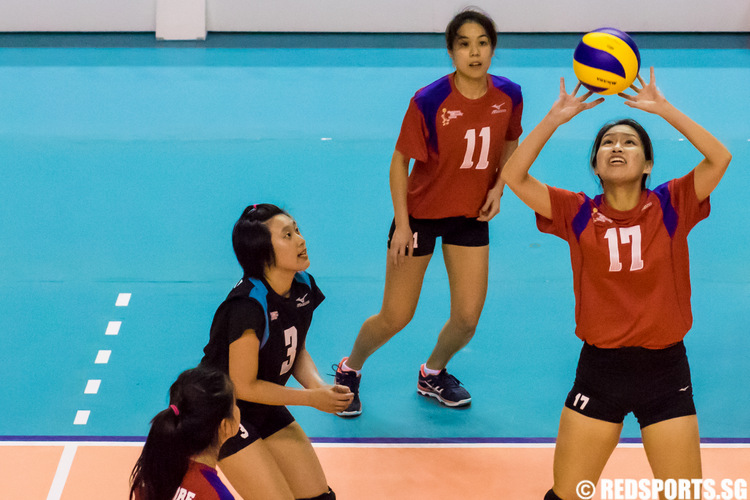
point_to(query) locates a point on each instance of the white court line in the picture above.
(82, 417)
(63, 469)
(113, 328)
(92, 386)
(102, 357)
(123, 300)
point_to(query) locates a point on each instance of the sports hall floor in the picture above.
(126, 161)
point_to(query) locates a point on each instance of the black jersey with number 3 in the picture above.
(281, 324)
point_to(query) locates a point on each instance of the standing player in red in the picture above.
(179, 457)
(631, 278)
(459, 130)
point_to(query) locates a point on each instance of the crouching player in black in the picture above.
(258, 338)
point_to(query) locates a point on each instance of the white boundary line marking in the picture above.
(113, 328)
(63, 469)
(123, 300)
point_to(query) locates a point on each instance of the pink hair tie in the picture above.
(175, 410)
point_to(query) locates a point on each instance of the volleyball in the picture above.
(606, 61)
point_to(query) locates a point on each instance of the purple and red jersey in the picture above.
(631, 270)
(201, 482)
(457, 144)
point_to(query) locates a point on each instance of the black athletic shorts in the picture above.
(652, 383)
(460, 231)
(256, 422)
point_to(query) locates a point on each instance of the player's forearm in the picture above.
(399, 178)
(709, 146)
(269, 393)
(305, 371)
(516, 169)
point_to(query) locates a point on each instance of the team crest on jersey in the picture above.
(498, 108)
(450, 115)
(599, 217)
(274, 315)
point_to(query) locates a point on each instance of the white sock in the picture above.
(430, 371)
(344, 367)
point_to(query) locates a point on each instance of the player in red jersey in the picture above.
(459, 130)
(629, 255)
(178, 461)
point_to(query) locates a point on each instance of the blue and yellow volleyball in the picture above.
(606, 61)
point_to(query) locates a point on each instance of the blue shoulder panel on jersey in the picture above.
(221, 489)
(582, 218)
(260, 293)
(511, 88)
(669, 214)
(428, 100)
(303, 277)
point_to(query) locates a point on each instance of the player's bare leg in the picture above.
(467, 276)
(403, 283)
(673, 448)
(583, 446)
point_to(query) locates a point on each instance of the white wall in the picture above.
(383, 15)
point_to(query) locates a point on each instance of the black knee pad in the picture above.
(551, 496)
(329, 495)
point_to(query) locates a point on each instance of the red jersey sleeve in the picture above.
(412, 140)
(565, 205)
(514, 125)
(685, 201)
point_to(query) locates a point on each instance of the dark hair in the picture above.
(200, 399)
(251, 239)
(648, 148)
(470, 15)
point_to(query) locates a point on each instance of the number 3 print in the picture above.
(290, 339)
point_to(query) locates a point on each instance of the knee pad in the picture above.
(551, 496)
(329, 495)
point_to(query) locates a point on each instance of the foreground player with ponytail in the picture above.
(180, 454)
(630, 262)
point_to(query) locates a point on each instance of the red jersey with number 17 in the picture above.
(631, 270)
(457, 144)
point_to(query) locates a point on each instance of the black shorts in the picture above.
(460, 231)
(256, 422)
(652, 383)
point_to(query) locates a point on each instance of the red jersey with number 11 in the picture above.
(631, 270)
(457, 144)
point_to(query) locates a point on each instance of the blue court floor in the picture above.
(125, 164)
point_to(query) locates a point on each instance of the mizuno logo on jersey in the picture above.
(450, 115)
(302, 301)
(498, 108)
(274, 315)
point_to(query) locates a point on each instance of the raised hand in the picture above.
(568, 105)
(647, 98)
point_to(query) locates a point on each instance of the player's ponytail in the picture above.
(200, 400)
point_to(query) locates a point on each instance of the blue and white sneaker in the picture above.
(444, 387)
(350, 379)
